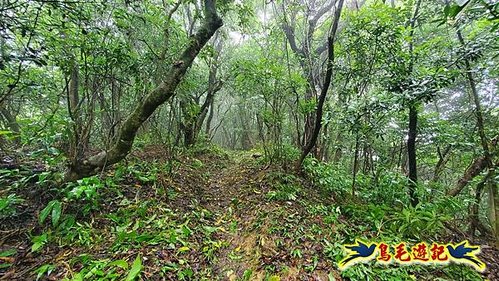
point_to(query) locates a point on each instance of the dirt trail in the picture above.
(236, 194)
(233, 193)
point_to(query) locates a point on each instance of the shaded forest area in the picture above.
(245, 140)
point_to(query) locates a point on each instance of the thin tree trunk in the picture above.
(355, 163)
(75, 149)
(246, 142)
(443, 158)
(492, 186)
(474, 217)
(413, 121)
(163, 92)
(209, 120)
(411, 154)
(478, 165)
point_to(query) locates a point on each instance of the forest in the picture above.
(249, 140)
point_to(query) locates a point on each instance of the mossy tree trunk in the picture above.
(93, 164)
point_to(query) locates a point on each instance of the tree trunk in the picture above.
(209, 120)
(164, 91)
(12, 124)
(355, 163)
(75, 149)
(193, 124)
(413, 121)
(443, 158)
(411, 154)
(472, 171)
(327, 81)
(474, 215)
(246, 142)
(492, 185)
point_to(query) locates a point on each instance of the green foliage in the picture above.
(389, 188)
(39, 241)
(104, 269)
(328, 177)
(45, 269)
(54, 208)
(8, 205)
(162, 212)
(286, 187)
(417, 223)
(7, 254)
(135, 269)
(284, 192)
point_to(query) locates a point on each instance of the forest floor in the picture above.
(213, 216)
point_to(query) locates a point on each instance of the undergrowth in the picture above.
(153, 219)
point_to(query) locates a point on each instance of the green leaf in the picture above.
(77, 277)
(46, 211)
(5, 265)
(38, 242)
(119, 263)
(8, 253)
(135, 270)
(183, 249)
(247, 274)
(44, 270)
(5, 133)
(56, 212)
(453, 10)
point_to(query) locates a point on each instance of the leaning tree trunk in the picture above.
(164, 91)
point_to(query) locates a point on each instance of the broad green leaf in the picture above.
(453, 10)
(119, 263)
(56, 212)
(44, 270)
(135, 270)
(46, 211)
(330, 277)
(38, 242)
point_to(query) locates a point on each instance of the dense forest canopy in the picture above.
(381, 115)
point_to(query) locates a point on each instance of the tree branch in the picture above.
(163, 92)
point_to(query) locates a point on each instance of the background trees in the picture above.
(394, 100)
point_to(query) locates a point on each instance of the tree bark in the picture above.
(164, 91)
(472, 171)
(355, 163)
(12, 124)
(443, 158)
(413, 121)
(209, 120)
(492, 185)
(75, 149)
(411, 154)
(327, 81)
